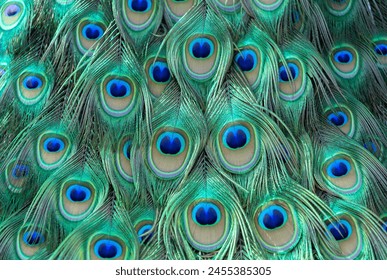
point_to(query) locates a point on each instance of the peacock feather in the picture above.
(193, 129)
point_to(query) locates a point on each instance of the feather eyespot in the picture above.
(107, 249)
(375, 148)
(178, 8)
(16, 175)
(338, 119)
(29, 242)
(77, 200)
(206, 224)
(158, 75)
(238, 147)
(339, 7)
(276, 225)
(33, 238)
(380, 50)
(88, 33)
(206, 214)
(138, 14)
(248, 60)
(201, 56)
(32, 87)
(342, 174)
(342, 118)
(292, 81)
(168, 152)
(11, 14)
(170, 143)
(52, 150)
(345, 230)
(159, 72)
(123, 159)
(273, 217)
(78, 193)
(236, 137)
(201, 48)
(117, 95)
(340, 230)
(53, 145)
(144, 231)
(268, 5)
(345, 62)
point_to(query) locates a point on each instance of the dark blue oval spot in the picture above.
(340, 230)
(201, 47)
(236, 139)
(206, 216)
(140, 5)
(32, 82)
(20, 170)
(12, 10)
(78, 193)
(370, 146)
(339, 168)
(381, 49)
(54, 145)
(171, 143)
(343, 57)
(33, 238)
(338, 119)
(142, 233)
(273, 220)
(292, 74)
(92, 31)
(107, 250)
(160, 72)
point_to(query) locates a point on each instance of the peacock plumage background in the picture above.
(193, 129)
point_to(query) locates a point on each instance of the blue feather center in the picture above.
(206, 214)
(170, 143)
(33, 238)
(339, 168)
(159, 72)
(53, 145)
(92, 31)
(296, 16)
(126, 149)
(272, 217)
(370, 146)
(118, 88)
(143, 230)
(293, 73)
(343, 57)
(20, 170)
(78, 193)
(246, 60)
(201, 48)
(32, 82)
(236, 137)
(340, 230)
(338, 119)
(107, 249)
(12, 10)
(140, 6)
(381, 49)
